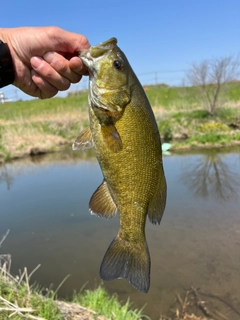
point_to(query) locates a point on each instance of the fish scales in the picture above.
(135, 172)
(125, 136)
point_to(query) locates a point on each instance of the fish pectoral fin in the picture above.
(101, 202)
(84, 140)
(111, 137)
(131, 261)
(158, 202)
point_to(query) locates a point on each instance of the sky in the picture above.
(161, 38)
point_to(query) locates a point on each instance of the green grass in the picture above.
(108, 306)
(185, 97)
(228, 114)
(210, 138)
(214, 138)
(25, 109)
(159, 96)
(23, 297)
(181, 97)
(233, 91)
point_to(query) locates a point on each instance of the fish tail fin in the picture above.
(124, 259)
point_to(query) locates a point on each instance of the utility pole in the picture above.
(156, 77)
(16, 94)
(2, 99)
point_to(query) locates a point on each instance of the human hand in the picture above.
(45, 59)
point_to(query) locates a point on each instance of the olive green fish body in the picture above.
(127, 143)
(133, 172)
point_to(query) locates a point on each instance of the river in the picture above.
(44, 203)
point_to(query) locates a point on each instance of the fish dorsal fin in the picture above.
(84, 140)
(101, 203)
(111, 137)
(157, 204)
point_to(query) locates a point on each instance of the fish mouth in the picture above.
(97, 51)
(102, 48)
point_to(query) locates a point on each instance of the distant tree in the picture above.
(211, 78)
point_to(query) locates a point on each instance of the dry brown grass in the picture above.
(197, 305)
(41, 133)
(20, 141)
(61, 117)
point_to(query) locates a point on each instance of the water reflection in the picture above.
(9, 171)
(211, 175)
(5, 177)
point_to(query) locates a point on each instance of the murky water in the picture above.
(44, 203)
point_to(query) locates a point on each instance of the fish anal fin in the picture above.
(111, 137)
(126, 260)
(101, 202)
(84, 140)
(158, 202)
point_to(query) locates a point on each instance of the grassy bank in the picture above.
(39, 126)
(19, 300)
(196, 128)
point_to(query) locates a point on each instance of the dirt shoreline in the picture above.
(62, 145)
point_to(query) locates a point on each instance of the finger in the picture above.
(46, 71)
(62, 66)
(77, 66)
(66, 41)
(45, 89)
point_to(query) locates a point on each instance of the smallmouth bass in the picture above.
(125, 136)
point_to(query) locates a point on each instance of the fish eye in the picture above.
(117, 64)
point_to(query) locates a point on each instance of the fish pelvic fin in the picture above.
(84, 140)
(101, 203)
(130, 261)
(158, 202)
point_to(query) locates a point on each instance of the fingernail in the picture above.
(36, 62)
